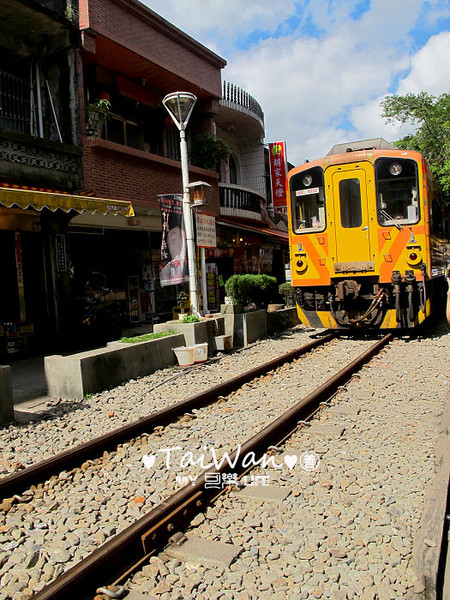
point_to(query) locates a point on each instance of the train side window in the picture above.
(308, 201)
(350, 203)
(397, 191)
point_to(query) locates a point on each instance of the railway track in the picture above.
(141, 539)
(35, 474)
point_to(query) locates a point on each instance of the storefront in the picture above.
(127, 255)
(36, 273)
(244, 249)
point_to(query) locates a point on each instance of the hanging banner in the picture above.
(173, 268)
(278, 175)
(206, 230)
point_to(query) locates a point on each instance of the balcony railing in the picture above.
(240, 202)
(233, 93)
(117, 129)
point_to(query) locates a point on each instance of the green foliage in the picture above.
(147, 336)
(252, 289)
(287, 292)
(190, 319)
(431, 115)
(208, 150)
(97, 113)
(101, 105)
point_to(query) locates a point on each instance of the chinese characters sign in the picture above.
(206, 231)
(278, 171)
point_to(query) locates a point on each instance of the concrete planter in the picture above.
(246, 328)
(196, 333)
(282, 319)
(76, 375)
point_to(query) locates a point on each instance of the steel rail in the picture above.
(153, 530)
(17, 482)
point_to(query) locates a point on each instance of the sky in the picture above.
(320, 68)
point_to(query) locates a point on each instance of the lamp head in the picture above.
(199, 192)
(179, 105)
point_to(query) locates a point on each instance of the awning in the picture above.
(281, 235)
(11, 197)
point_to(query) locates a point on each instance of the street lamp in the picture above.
(179, 105)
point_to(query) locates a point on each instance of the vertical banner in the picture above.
(173, 268)
(278, 175)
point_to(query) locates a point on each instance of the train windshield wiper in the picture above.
(388, 217)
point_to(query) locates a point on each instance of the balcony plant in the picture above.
(97, 115)
(208, 150)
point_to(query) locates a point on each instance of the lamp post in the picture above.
(179, 105)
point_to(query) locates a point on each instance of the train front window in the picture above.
(350, 202)
(397, 191)
(308, 200)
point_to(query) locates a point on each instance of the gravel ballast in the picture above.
(344, 530)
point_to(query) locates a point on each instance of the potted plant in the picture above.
(251, 291)
(208, 150)
(97, 114)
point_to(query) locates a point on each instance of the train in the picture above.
(369, 238)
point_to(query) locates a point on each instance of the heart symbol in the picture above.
(149, 460)
(290, 460)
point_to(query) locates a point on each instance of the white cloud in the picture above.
(322, 83)
(222, 22)
(430, 68)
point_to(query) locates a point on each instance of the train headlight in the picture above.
(414, 258)
(301, 265)
(395, 168)
(307, 180)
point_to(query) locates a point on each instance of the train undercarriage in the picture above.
(364, 302)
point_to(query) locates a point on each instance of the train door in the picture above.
(351, 215)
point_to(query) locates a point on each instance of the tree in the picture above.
(432, 138)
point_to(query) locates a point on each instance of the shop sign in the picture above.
(19, 270)
(206, 231)
(173, 268)
(134, 309)
(61, 257)
(278, 174)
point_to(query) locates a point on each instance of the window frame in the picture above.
(396, 222)
(321, 194)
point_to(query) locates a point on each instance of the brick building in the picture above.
(132, 58)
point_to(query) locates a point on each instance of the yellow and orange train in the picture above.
(367, 238)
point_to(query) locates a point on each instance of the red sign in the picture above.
(278, 174)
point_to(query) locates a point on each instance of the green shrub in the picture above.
(259, 290)
(190, 319)
(147, 336)
(287, 292)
